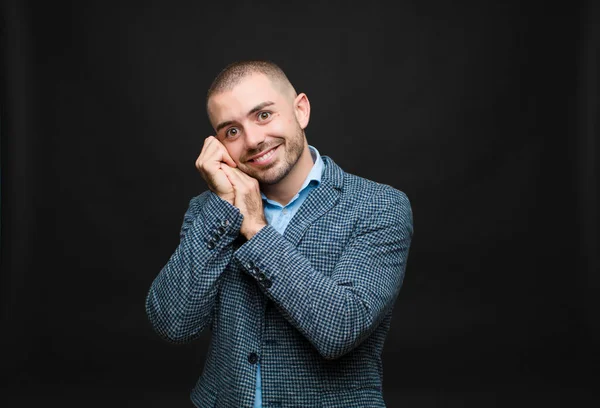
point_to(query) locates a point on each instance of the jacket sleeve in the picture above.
(336, 313)
(181, 299)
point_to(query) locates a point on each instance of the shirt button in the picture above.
(284, 211)
(252, 358)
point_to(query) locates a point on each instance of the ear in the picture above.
(302, 110)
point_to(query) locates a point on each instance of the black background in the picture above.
(484, 113)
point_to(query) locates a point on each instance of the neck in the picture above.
(289, 186)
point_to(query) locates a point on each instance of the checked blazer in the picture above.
(313, 305)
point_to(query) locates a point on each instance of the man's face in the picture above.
(257, 122)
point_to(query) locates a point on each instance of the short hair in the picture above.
(235, 72)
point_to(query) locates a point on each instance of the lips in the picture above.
(264, 157)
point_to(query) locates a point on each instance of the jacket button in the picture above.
(252, 358)
(220, 230)
(249, 265)
(268, 283)
(211, 244)
(261, 276)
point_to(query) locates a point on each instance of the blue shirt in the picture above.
(279, 217)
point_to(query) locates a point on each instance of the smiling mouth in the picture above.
(265, 156)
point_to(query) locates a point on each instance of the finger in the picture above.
(244, 182)
(225, 157)
(205, 151)
(233, 176)
(213, 152)
(240, 180)
(207, 146)
(244, 178)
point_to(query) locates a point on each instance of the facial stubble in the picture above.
(276, 172)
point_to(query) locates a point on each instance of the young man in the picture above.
(293, 264)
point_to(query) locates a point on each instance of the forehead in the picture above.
(239, 100)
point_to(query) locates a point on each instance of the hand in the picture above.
(247, 199)
(209, 163)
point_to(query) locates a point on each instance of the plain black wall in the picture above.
(482, 112)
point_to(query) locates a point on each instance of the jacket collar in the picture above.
(318, 203)
(332, 173)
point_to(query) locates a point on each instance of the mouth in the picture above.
(264, 157)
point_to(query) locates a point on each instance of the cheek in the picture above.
(282, 127)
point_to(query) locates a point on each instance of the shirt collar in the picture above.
(317, 169)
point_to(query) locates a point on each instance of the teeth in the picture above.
(265, 157)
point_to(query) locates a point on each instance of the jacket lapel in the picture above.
(318, 202)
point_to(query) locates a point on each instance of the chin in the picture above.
(272, 176)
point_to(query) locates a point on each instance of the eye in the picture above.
(264, 115)
(232, 132)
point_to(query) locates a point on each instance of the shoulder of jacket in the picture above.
(360, 188)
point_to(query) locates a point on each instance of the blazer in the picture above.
(313, 305)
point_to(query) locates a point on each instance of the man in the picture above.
(292, 263)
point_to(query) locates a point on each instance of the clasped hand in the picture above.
(231, 184)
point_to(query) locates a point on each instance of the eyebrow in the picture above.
(253, 110)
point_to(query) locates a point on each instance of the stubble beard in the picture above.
(279, 170)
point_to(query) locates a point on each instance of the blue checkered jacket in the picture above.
(313, 305)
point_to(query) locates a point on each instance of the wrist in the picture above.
(226, 197)
(252, 229)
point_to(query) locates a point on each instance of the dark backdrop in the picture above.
(484, 113)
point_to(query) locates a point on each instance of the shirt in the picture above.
(279, 217)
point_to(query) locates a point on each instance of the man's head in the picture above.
(259, 118)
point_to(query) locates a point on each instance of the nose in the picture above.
(254, 137)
